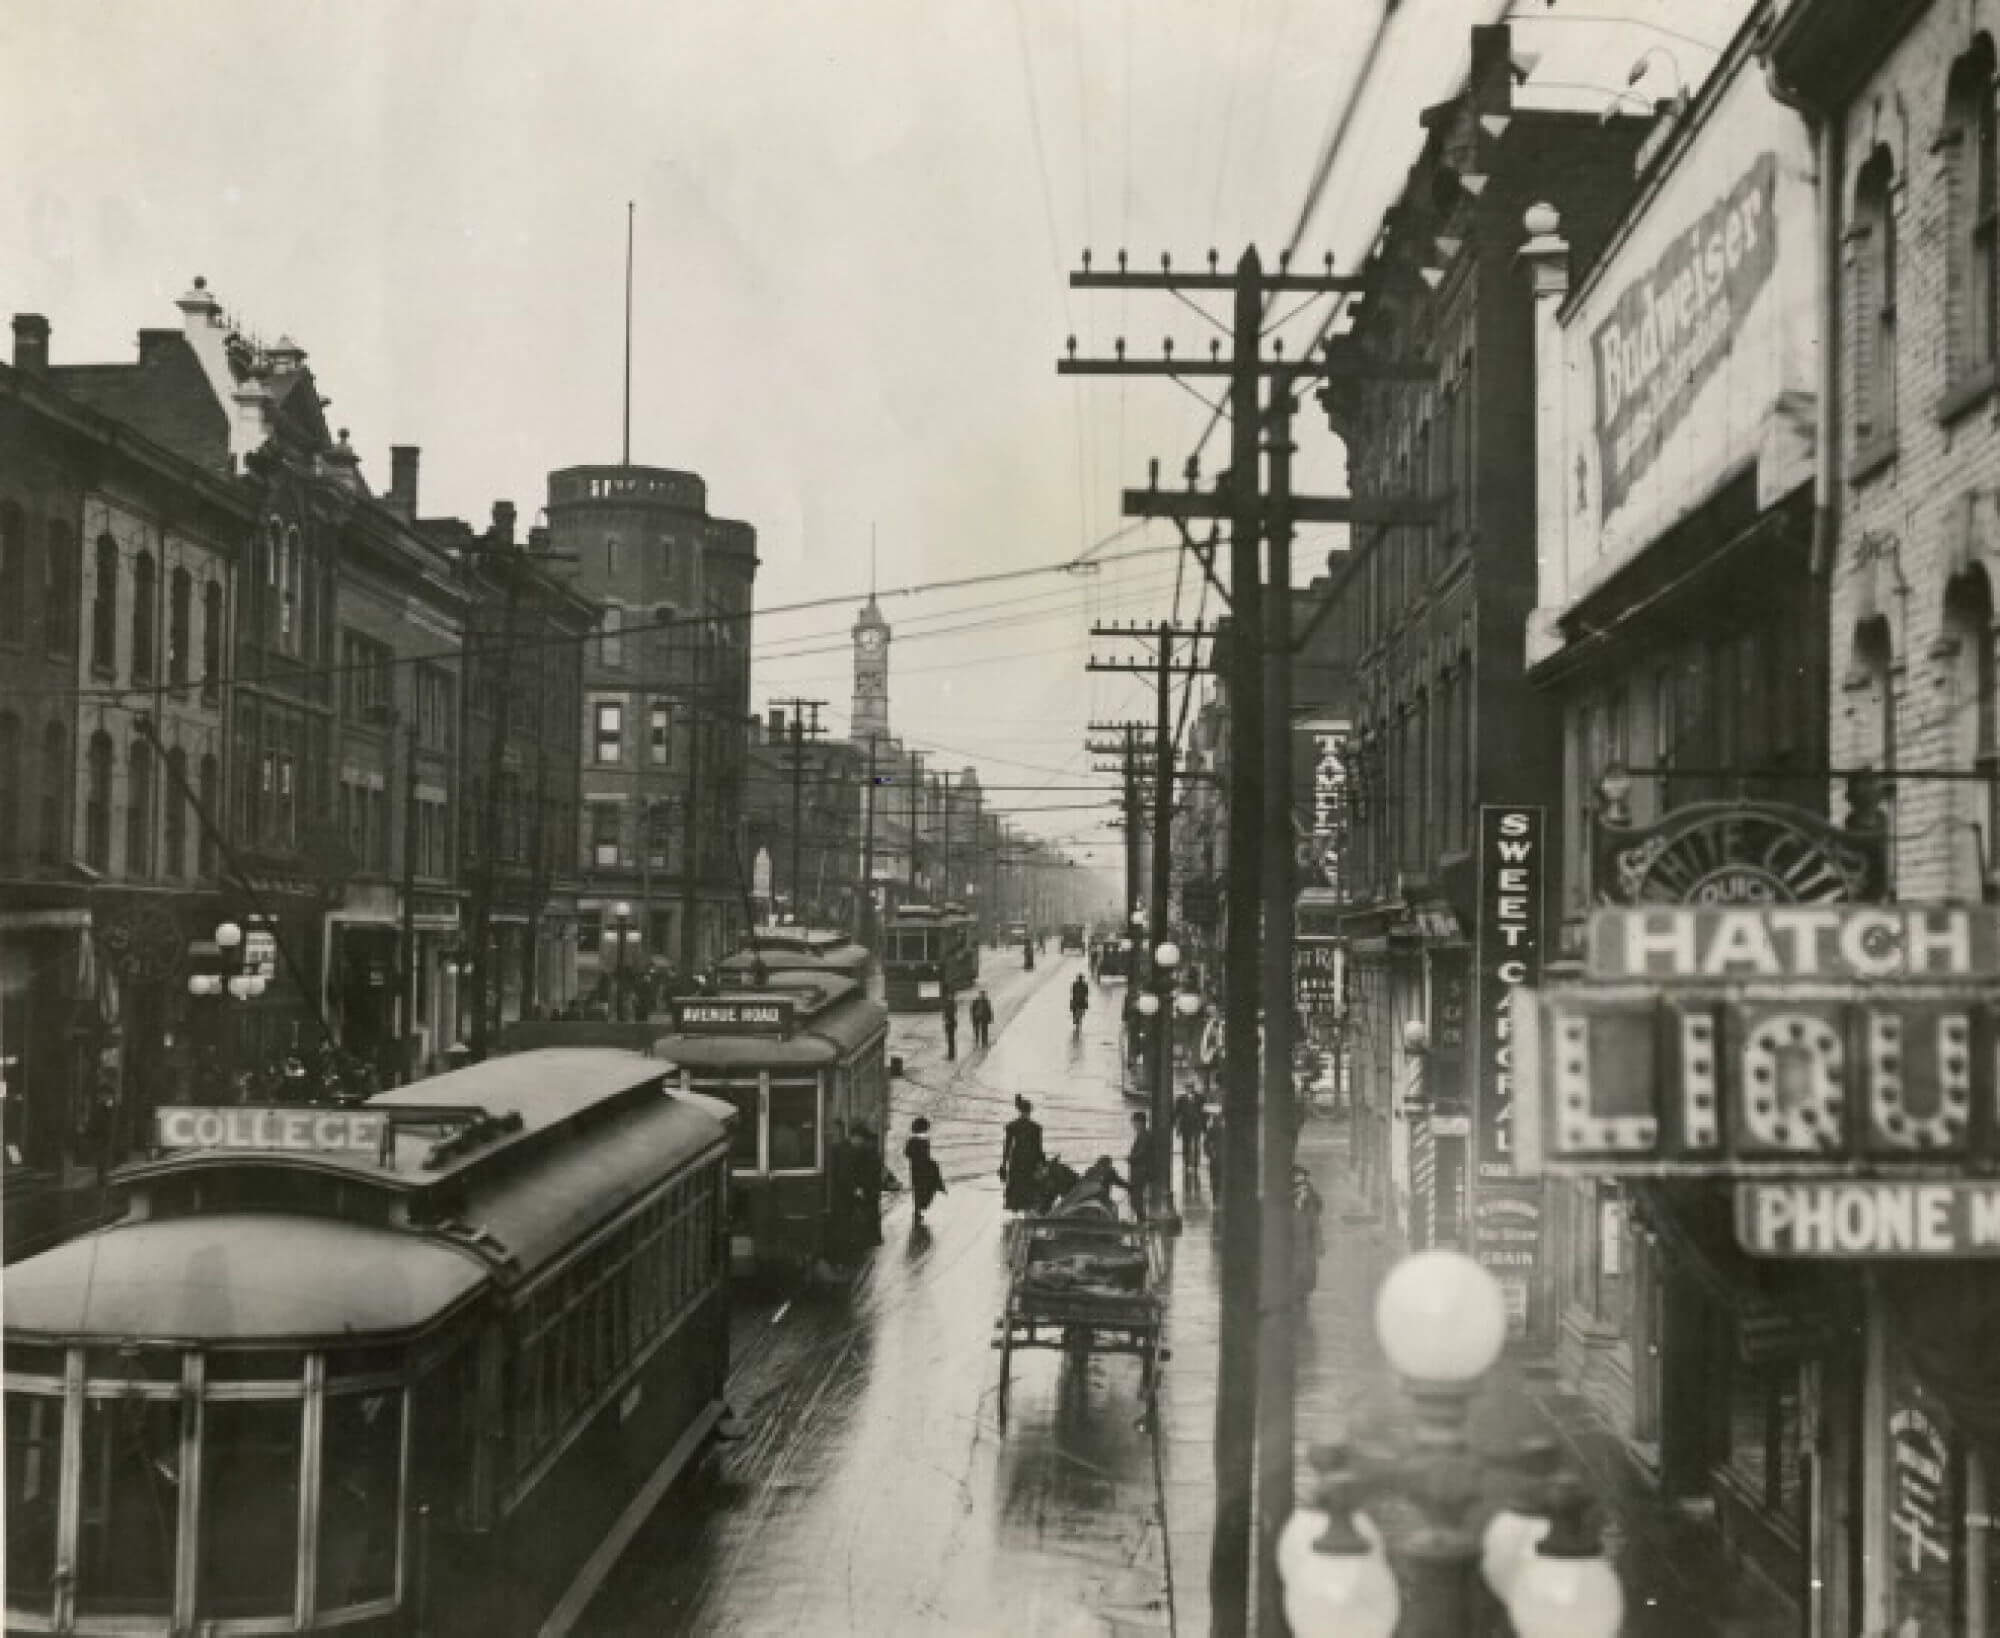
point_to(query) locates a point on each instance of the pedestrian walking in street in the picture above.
(1190, 1121)
(1079, 1004)
(1211, 1142)
(1140, 1165)
(926, 1181)
(950, 1011)
(981, 1014)
(1308, 1233)
(1021, 1158)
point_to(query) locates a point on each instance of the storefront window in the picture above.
(34, 1456)
(794, 1127)
(361, 1455)
(130, 1519)
(1765, 1437)
(250, 1508)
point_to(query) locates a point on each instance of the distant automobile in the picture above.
(1072, 936)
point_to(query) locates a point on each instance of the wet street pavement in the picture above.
(875, 1493)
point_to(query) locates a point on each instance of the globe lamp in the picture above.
(1187, 1003)
(228, 935)
(1337, 1579)
(1167, 956)
(1149, 1004)
(1441, 1318)
(1565, 1588)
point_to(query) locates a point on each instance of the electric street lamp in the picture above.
(1159, 1003)
(621, 916)
(1442, 1321)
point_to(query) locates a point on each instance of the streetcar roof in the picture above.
(238, 1276)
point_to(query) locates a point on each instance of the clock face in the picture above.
(873, 640)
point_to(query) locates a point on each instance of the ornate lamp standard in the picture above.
(1158, 1003)
(1442, 1320)
(219, 971)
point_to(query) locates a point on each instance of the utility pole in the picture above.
(864, 925)
(1249, 511)
(794, 710)
(498, 663)
(945, 791)
(691, 820)
(916, 788)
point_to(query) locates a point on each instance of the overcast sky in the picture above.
(854, 222)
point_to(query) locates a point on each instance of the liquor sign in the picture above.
(734, 1015)
(265, 1128)
(1797, 1040)
(1509, 953)
(1860, 1217)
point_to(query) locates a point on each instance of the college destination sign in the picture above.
(1674, 325)
(266, 1127)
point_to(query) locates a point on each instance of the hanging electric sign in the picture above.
(1771, 1040)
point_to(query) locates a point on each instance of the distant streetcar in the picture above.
(781, 949)
(397, 1368)
(795, 1055)
(926, 950)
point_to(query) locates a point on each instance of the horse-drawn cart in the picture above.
(1085, 1284)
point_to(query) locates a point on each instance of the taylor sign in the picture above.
(255, 1127)
(1777, 1039)
(1869, 1218)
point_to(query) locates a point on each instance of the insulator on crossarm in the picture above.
(1121, 261)
(1284, 261)
(1072, 346)
(1278, 347)
(1166, 262)
(1214, 259)
(1329, 264)
(1118, 347)
(1193, 470)
(1153, 473)
(1215, 347)
(1167, 346)
(1086, 261)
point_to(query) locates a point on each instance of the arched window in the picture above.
(211, 639)
(1875, 304)
(180, 627)
(97, 804)
(10, 787)
(13, 575)
(211, 799)
(104, 609)
(145, 614)
(1973, 706)
(54, 792)
(1972, 273)
(59, 573)
(139, 809)
(176, 863)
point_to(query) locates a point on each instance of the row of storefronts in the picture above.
(1703, 630)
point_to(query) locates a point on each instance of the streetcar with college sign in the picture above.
(398, 1368)
(801, 1057)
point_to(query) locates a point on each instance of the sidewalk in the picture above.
(1678, 1583)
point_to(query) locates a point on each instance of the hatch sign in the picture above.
(1841, 943)
(264, 1128)
(734, 1015)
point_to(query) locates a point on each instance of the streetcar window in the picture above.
(34, 1359)
(743, 1131)
(250, 1507)
(34, 1456)
(130, 1518)
(256, 1365)
(361, 1362)
(794, 1127)
(134, 1364)
(361, 1451)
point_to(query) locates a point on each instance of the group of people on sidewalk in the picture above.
(981, 1014)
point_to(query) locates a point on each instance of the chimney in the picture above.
(503, 522)
(538, 538)
(402, 496)
(777, 726)
(31, 344)
(153, 345)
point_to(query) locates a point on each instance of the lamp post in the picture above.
(1159, 1004)
(1442, 1320)
(219, 971)
(621, 916)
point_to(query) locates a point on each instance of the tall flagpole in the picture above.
(630, 208)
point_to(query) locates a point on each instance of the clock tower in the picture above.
(871, 675)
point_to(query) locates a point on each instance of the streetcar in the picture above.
(780, 949)
(927, 950)
(800, 1057)
(394, 1368)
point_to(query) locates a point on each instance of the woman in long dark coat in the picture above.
(926, 1181)
(1021, 1159)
